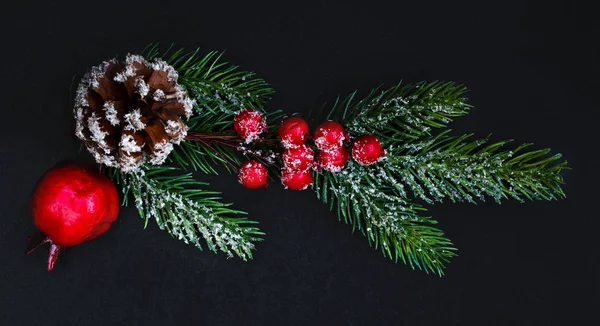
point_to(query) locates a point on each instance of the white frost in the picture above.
(133, 120)
(111, 113)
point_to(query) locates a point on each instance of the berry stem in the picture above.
(225, 138)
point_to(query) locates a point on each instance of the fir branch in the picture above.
(219, 90)
(365, 199)
(375, 198)
(453, 167)
(403, 112)
(188, 213)
(213, 83)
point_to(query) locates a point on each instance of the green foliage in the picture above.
(214, 83)
(379, 199)
(402, 112)
(364, 198)
(180, 206)
(177, 202)
(453, 167)
(220, 90)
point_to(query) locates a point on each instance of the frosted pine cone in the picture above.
(131, 112)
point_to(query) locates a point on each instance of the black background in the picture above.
(532, 68)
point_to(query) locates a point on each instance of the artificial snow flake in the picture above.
(133, 120)
(161, 151)
(129, 163)
(161, 65)
(79, 125)
(111, 113)
(97, 134)
(129, 145)
(159, 95)
(125, 74)
(134, 58)
(141, 86)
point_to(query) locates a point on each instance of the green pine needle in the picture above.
(392, 223)
(379, 199)
(187, 212)
(465, 171)
(402, 112)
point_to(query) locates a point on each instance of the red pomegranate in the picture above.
(71, 204)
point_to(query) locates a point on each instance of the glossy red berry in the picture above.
(329, 134)
(296, 179)
(249, 124)
(298, 158)
(366, 149)
(293, 131)
(253, 174)
(72, 204)
(333, 160)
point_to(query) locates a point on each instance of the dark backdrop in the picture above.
(531, 67)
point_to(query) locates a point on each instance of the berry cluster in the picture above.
(297, 157)
(330, 139)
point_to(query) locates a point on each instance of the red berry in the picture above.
(72, 204)
(329, 134)
(296, 179)
(333, 160)
(253, 174)
(366, 149)
(293, 131)
(298, 158)
(249, 124)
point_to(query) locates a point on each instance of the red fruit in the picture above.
(249, 124)
(366, 149)
(298, 158)
(333, 160)
(253, 174)
(296, 179)
(329, 134)
(72, 204)
(293, 131)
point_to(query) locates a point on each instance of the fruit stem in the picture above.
(53, 255)
(39, 239)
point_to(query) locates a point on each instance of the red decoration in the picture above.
(298, 158)
(249, 124)
(333, 160)
(72, 204)
(253, 174)
(366, 149)
(329, 135)
(296, 179)
(293, 131)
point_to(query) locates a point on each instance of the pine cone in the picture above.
(128, 113)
